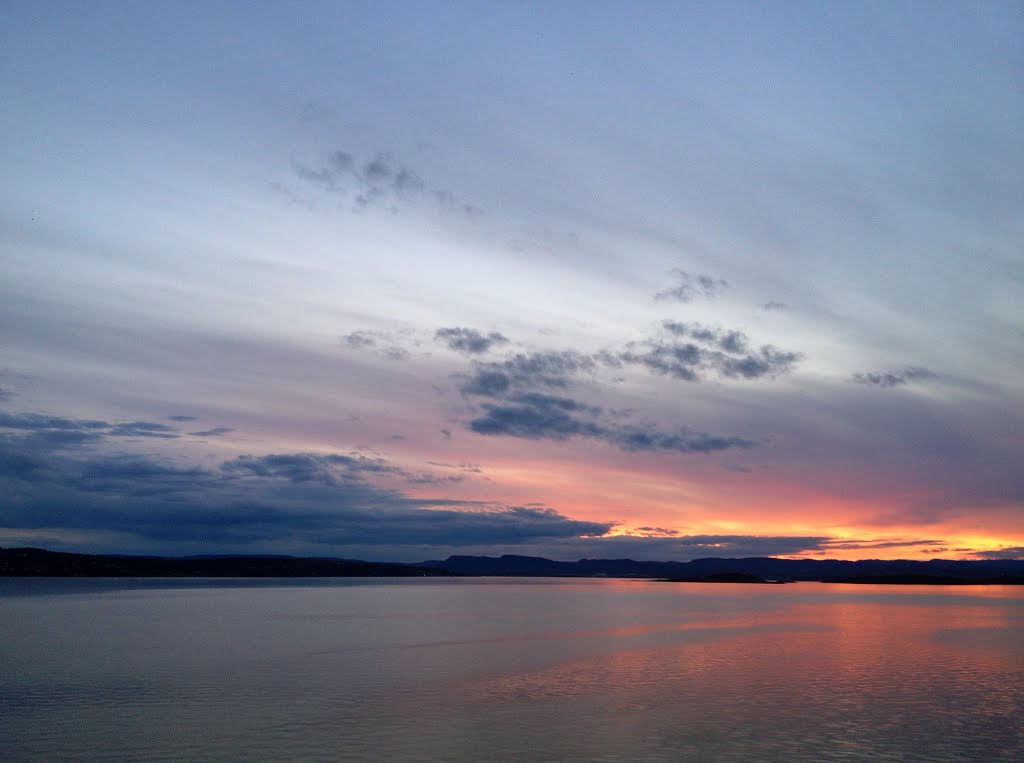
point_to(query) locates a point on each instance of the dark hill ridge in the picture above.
(37, 562)
(765, 568)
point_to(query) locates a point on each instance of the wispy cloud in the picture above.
(690, 286)
(60, 430)
(214, 432)
(383, 343)
(889, 379)
(382, 180)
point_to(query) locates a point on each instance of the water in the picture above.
(499, 669)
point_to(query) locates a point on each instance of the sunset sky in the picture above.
(402, 280)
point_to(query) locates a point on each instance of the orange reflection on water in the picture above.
(851, 670)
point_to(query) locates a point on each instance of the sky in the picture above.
(394, 281)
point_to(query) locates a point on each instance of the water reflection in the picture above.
(514, 670)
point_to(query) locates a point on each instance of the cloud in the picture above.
(655, 532)
(469, 341)
(682, 441)
(381, 342)
(889, 379)
(381, 180)
(319, 500)
(767, 361)
(851, 545)
(502, 527)
(773, 306)
(332, 469)
(688, 351)
(1006, 552)
(215, 432)
(143, 429)
(137, 476)
(731, 341)
(555, 369)
(329, 469)
(359, 340)
(182, 419)
(537, 416)
(654, 546)
(36, 421)
(57, 439)
(523, 406)
(60, 431)
(690, 286)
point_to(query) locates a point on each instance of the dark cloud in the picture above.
(690, 286)
(57, 439)
(730, 341)
(537, 416)
(767, 361)
(60, 431)
(556, 369)
(215, 432)
(888, 379)
(506, 526)
(314, 499)
(6, 394)
(773, 306)
(332, 469)
(381, 180)
(182, 419)
(468, 340)
(524, 407)
(137, 476)
(682, 441)
(688, 351)
(36, 421)
(1007, 552)
(487, 383)
(548, 369)
(20, 463)
(329, 469)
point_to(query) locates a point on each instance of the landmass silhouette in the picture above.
(38, 562)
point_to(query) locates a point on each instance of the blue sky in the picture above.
(399, 280)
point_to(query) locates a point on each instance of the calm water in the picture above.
(493, 669)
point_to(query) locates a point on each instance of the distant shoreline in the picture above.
(36, 562)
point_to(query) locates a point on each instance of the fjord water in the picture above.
(500, 669)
